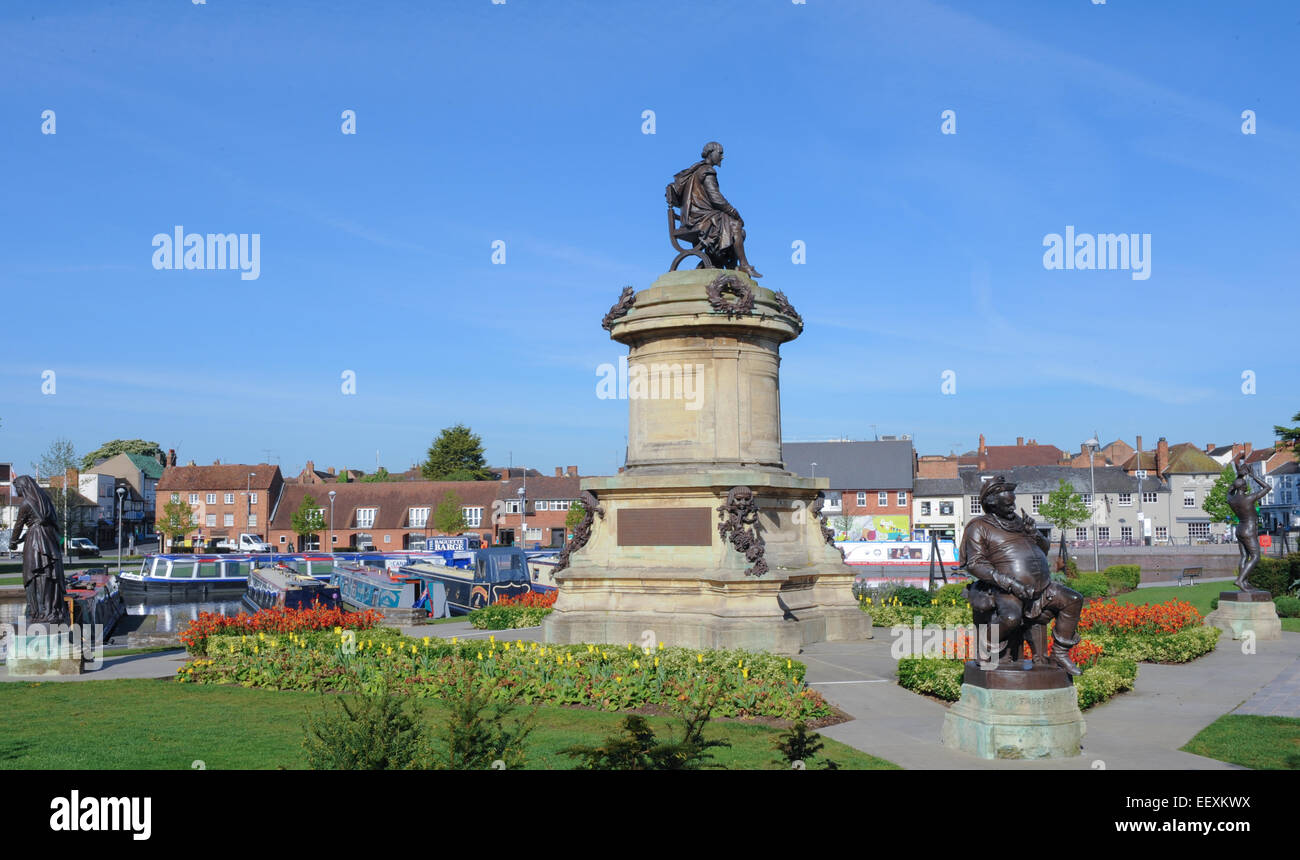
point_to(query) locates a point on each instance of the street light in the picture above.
(523, 530)
(814, 467)
(248, 498)
(121, 493)
(332, 495)
(1093, 444)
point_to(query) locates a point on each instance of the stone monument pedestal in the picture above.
(1029, 712)
(44, 654)
(1242, 611)
(704, 430)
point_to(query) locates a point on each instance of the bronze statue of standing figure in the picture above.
(708, 221)
(1014, 593)
(42, 559)
(1243, 502)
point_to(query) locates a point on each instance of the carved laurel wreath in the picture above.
(828, 534)
(742, 301)
(626, 299)
(582, 533)
(739, 524)
(783, 305)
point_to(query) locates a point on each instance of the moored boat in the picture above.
(497, 572)
(282, 587)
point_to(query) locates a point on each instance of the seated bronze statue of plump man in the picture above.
(1014, 593)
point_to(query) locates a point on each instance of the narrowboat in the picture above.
(541, 567)
(192, 577)
(96, 599)
(392, 593)
(497, 572)
(282, 587)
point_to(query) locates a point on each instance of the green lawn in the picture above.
(11, 580)
(1261, 743)
(1199, 595)
(104, 725)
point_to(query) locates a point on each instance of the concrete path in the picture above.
(1280, 697)
(1142, 728)
(159, 664)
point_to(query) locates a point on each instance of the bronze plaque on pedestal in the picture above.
(664, 527)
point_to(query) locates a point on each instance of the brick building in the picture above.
(870, 497)
(227, 499)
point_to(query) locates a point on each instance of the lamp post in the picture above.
(1093, 444)
(814, 470)
(332, 494)
(248, 500)
(523, 527)
(121, 493)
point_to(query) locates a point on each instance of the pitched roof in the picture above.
(1010, 456)
(1045, 479)
(1186, 459)
(872, 465)
(146, 464)
(938, 487)
(223, 477)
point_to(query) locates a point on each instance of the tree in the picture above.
(1288, 436)
(1064, 509)
(343, 477)
(380, 476)
(844, 523)
(54, 464)
(57, 459)
(449, 518)
(1216, 501)
(177, 518)
(307, 520)
(456, 455)
(576, 512)
(122, 446)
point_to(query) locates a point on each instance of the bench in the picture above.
(1188, 574)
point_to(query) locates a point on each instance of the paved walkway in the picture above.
(1279, 697)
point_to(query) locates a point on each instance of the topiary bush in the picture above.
(1123, 577)
(1107, 677)
(1091, 584)
(1287, 607)
(939, 678)
(1272, 575)
(909, 596)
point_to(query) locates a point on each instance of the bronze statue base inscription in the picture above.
(664, 527)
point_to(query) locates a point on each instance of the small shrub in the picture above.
(798, 745)
(1109, 676)
(477, 733)
(1090, 584)
(951, 593)
(500, 616)
(909, 596)
(1214, 603)
(1272, 575)
(1180, 647)
(368, 732)
(1123, 577)
(637, 747)
(1287, 607)
(939, 678)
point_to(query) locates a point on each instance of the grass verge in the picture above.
(1260, 743)
(161, 725)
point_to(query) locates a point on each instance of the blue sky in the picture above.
(523, 122)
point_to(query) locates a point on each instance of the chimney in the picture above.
(1020, 441)
(216, 462)
(573, 471)
(1162, 456)
(190, 463)
(559, 473)
(70, 478)
(332, 472)
(1209, 446)
(311, 467)
(171, 456)
(1249, 446)
(981, 448)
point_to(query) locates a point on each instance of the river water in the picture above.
(172, 617)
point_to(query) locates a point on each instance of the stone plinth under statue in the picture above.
(705, 540)
(1241, 613)
(1027, 713)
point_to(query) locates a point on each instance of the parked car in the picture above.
(82, 547)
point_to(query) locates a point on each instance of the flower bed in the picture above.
(279, 621)
(512, 613)
(1170, 632)
(606, 677)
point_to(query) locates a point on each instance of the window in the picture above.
(365, 517)
(1036, 502)
(560, 504)
(1126, 533)
(1103, 533)
(418, 517)
(1149, 498)
(252, 521)
(388, 538)
(194, 498)
(283, 539)
(229, 520)
(925, 509)
(176, 497)
(902, 498)
(1189, 498)
(533, 533)
(1198, 531)
(212, 520)
(211, 498)
(194, 518)
(1087, 499)
(539, 506)
(230, 498)
(945, 509)
(1080, 533)
(1126, 500)
(975, 505)
(882, 498)
(473, 516)
(862, 498)
(1162, 532)
(252, 498)
(512, 506)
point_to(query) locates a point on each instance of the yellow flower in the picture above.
(255, 649)
(636, 664)
(699, 658)
(591, 648)
(740, 663)
(661, 646)
(338, 631)
(426, 642)
(745, 674)
(480, 655)
(261, 635)
(453, 640)
(618, 678)
(492, 638)
(536, 662)
(505, 646)
(789, 665)
(656, 662)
